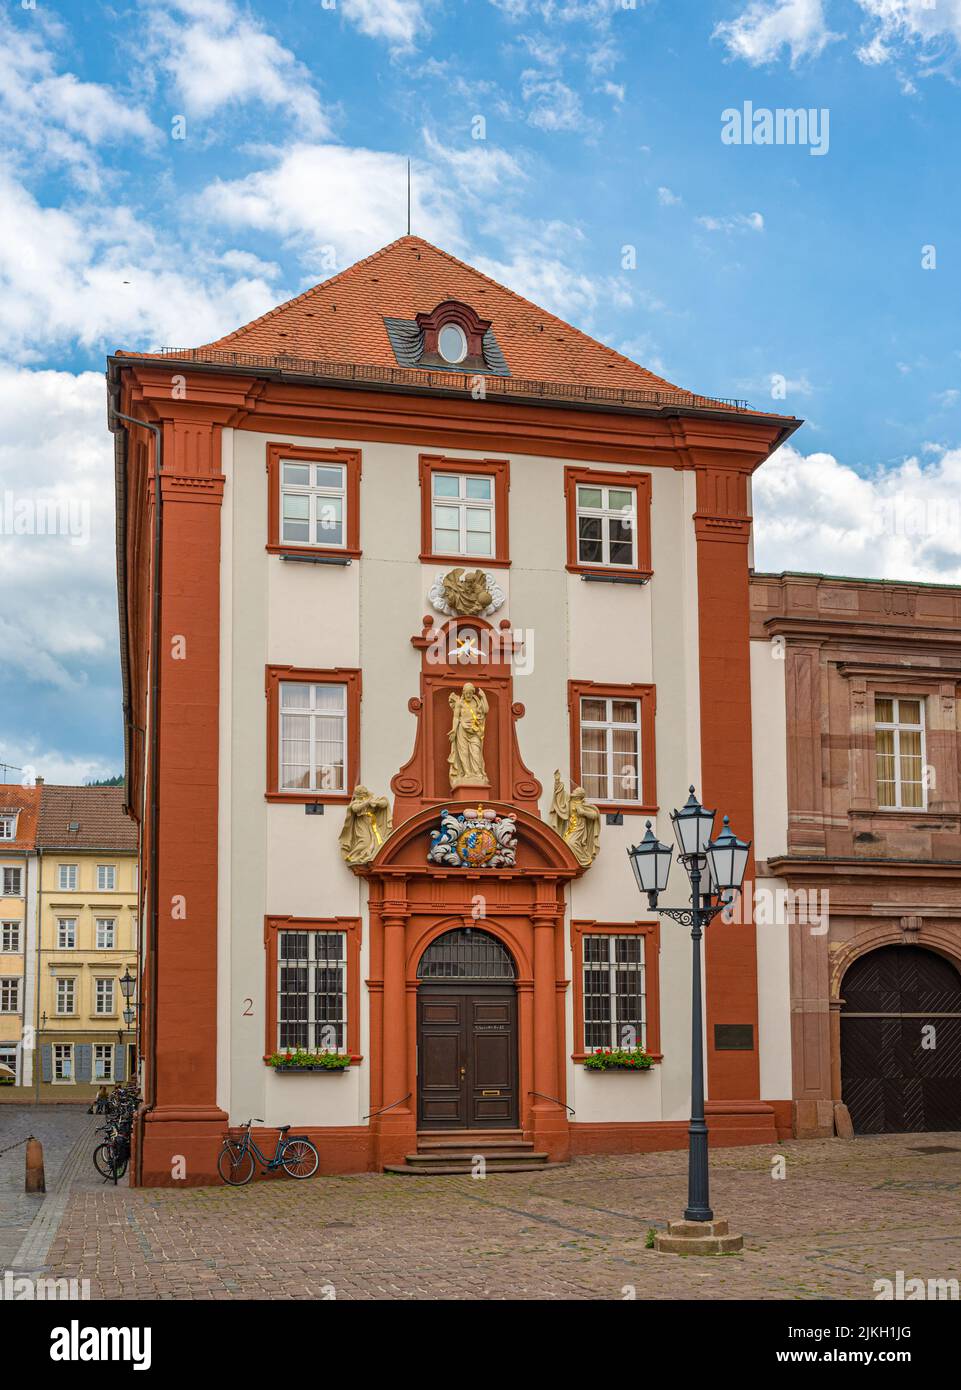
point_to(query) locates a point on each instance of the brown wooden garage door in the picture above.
(901, 1042)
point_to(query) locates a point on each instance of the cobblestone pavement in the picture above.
(58, 1127)
(844, 1215)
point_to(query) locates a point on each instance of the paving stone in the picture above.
(845, 1214)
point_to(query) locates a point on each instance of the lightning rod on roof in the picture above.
(408, 197)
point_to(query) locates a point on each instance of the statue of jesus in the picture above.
(466, 757)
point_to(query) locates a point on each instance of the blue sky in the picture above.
(572, 149)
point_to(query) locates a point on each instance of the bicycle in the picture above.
(112, 1156)
(294, 1153)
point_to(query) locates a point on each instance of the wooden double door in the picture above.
(901, 1042)
(467, 1056)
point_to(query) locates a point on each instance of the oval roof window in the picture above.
(452, 343)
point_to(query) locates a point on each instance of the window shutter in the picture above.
(119, 1052)
(84, 1055)
(46, 1061)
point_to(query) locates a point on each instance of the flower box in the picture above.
(326, 1063)
(618, 1059)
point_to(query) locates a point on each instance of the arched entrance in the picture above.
(901, 1041)
(466, 1033)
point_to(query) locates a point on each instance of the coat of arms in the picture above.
(474, 839)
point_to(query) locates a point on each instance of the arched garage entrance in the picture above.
(466, 1033)
(901, 1041)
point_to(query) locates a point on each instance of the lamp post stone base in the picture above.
(697, 1238)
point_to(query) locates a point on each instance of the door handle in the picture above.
(463, 1071)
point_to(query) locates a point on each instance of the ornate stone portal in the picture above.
(576, 821)
(466, 757)
(467, 593)
(474, 839)
(367, 825)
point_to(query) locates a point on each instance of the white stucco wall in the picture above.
(274, 859)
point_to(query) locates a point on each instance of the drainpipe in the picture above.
(151, 932)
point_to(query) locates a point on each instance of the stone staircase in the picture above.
(451, 1152)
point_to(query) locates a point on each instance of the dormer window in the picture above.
(451, 338)
(452, 343)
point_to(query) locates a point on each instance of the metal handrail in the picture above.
(451, 380)
(389, 1107)
(554, 1099)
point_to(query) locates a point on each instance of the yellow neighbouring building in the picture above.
(88, 927)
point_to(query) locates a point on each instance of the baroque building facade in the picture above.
(859, 831)
(452, 600)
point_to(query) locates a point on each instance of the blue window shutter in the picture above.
(46, 1061)
(119, 1072)
(84, 1055)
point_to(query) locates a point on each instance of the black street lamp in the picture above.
(128, 984)
(716, 871)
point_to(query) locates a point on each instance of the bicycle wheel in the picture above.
(235, 1165)
(301, 1159)
(101, 1160)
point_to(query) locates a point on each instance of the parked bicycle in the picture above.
(112, 1154)
(239, 1157)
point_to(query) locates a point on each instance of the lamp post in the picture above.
(715, 868)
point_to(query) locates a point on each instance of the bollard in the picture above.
(35, 1181)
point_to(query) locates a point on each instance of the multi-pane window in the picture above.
(66, 933)
(66, 996)
(462, 514)
(103, 1061)
(313, 737)
(8, 827)
(899, 746)
(312, 990)
(611, 748)
(104, 997)
(106, 933)
(10, 994)
(606, 525)
(614, 1004)
(106, 878)
(13, 883)
(67, 878)
(63, 1061)
(313, 503)
(9, 936)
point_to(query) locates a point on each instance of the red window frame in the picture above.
(640, 483)
(338, 675)
(353, 929)
(651, 933)
(300, 454)
(499, 470)
(646, 696)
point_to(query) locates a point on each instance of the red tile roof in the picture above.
(24, 800)
(98, 814)
(342, 320)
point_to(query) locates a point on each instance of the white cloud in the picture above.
(924, 23)
(400, 22)
(739, 222)
(52, 118)
(220, 57)
(60, 607)
(553, 105)
(478, 167)
(55, 766)
(334, 204)
(668, 198)
(767, 26)
(815, 513)
(97, 277)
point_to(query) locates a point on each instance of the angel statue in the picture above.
(466, 757)
(576, 821)
(366, 826)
